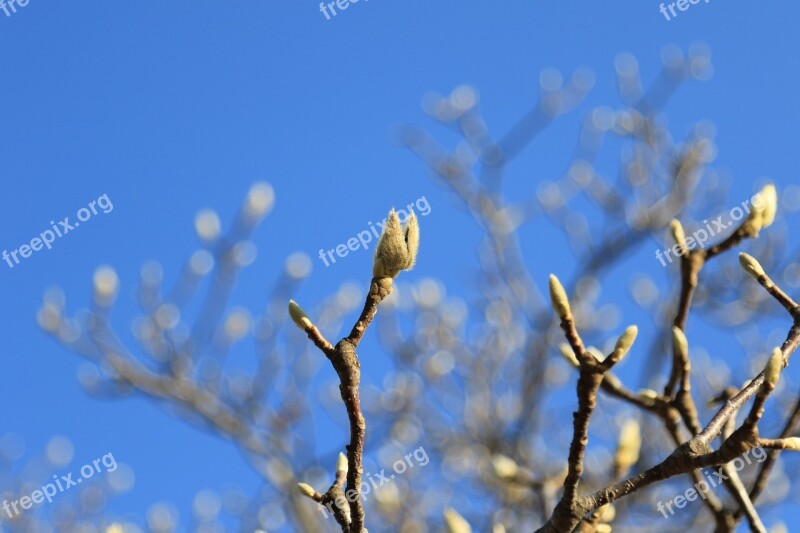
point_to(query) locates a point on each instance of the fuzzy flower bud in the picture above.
(678, 235)
(792, 443)
(558, 297)
(306, 490)
(504, 467)
(768, 205)
(680, 343)
(299, 316)
(341, 463)
(397, 248)
(568, 354)
(624, 343)
(773, 369)
(455, 523)
(630, 443)
(751, 265)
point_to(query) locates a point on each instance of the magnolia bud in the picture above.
(504, 467)
(773, 369)
(397, 248)
(455, 523)
(751, 265)
(341, 463)
(768, 204)
(678, 235)
(625, 342)
(630, 443)
(306, 490)
(298, 316)
(558, 297)
(569, 355)
(680, 343)
(648, 394)
(792, 443)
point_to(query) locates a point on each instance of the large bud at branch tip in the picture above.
(678, 235)
(306, 490)
(299, 316)
(751, 265)
(680, 343)
(397, 248)
(558, 297)
(455, 523)
(625, 342)
(341, 463)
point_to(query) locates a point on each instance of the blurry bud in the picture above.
(624, 343)
(602, 528)
(678, 235)
(756, 217)
(569, 355)
(306, 490)
(115, 528)
(773, 369)
(751, 265)
(341, 463)
(607, 513)
(455, 523)
(504, 467)
(207, 225)
(397, 248)
(648, 394)
(260, 199)
(630, 442)
(106, 284)
(680, 343)
(49, 317)
(498, 528)
(299, 316)
(792, 443)
(558, 297)
(768, 204)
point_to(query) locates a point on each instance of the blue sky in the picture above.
(170, 107)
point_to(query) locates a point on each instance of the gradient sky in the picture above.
(170, 107)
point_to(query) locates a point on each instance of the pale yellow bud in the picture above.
(769, 202)
(341, 463)
(569, 355)
(630, 443)
(306, 490)
(504, 467)
(792, 443)
(680, 343)
(602, 528)
(607, 513)
(625, 342)
(558, 297)
(676, 228)
(751, 265)
(648, 394)
(455, 523)
(397, 248)
(299, 316)
(772, 372)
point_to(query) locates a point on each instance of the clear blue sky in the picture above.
(169, 107)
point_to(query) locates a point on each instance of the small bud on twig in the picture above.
(299, 316)
(558, 297)
(630, 443)
(751, 265)
(306, 490)
(678, 235)
(504, 467)
(455, 522)
(624, 343)
(341, 463)
(772, 372)
(569, 355)
(680, 343)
